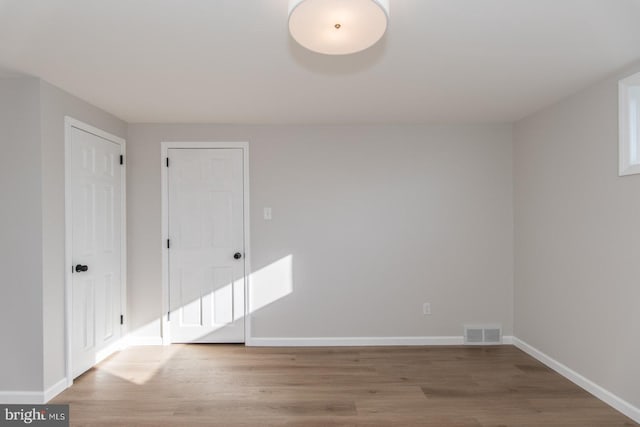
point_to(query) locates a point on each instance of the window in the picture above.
(629, 115)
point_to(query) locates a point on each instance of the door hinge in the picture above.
(121, 159)
(122, 319)
(168, 243)
(167, 162)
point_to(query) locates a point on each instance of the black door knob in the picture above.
(237, 255)
(80, 268)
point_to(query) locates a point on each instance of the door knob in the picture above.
(80, 268)
(237, 255)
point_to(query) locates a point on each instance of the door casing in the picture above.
(70, 123)
(165, 146)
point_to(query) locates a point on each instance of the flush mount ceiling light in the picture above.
(338, 27)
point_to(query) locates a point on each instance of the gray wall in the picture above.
(55, 104)
(20, 236)
(378, 219)
(32, 228)
(578, 240)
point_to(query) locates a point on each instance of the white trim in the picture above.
(164, 226)
(119, 345)
(353, 341)
(363, 341)
(625, 167)
(70, 123)
(164, 148)
(55, 390)
(598, 391)
(33, 397)
(136, 341)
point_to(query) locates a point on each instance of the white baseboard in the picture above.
(134, 341)
(598, 391)
(110, 349)
(360, 341)
(55, 390)
(33, 397)
(352, 341)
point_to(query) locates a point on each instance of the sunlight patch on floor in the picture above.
(140, 366)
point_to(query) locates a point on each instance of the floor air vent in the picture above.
(482, 334)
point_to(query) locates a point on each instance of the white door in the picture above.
(96, 178)
(206, 245)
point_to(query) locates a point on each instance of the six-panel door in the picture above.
(96, 179)
(206, 254)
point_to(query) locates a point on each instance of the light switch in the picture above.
(267, 214)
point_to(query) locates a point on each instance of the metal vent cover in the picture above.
(482, 334)
(473, 335)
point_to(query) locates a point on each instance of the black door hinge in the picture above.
(168, 243)
(167, 162)
(121, 159)
(122, 319)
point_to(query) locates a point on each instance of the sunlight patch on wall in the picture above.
(271, 283)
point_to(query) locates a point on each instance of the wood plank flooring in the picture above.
(233, 385)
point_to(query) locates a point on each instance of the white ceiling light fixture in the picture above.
(338, 27)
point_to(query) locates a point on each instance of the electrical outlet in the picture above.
(426, 308)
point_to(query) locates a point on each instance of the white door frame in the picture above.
(165, 146)
(69, 124)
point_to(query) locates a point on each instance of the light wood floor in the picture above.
(233, 385)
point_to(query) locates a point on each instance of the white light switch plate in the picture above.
(267, 214)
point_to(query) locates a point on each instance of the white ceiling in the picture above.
(232, 61)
